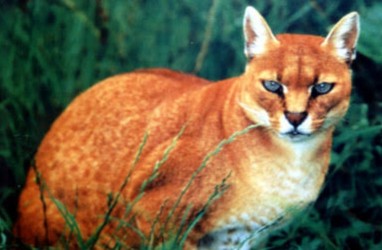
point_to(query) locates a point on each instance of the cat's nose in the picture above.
(295, 118)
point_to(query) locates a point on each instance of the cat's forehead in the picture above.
(300, 59)
(300, 39)
(303, 49)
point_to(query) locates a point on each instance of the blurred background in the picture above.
(51, 50)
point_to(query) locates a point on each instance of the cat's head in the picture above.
(297, 85)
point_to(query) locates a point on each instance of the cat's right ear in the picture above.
(343, 37)
(257, 34)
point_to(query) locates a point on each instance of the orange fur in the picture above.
(91, 147)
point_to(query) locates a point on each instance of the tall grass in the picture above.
(177, 238)
(53, 50)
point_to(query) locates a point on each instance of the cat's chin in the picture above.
(295, 136)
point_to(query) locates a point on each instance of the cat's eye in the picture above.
(273, 86)
(321, 88)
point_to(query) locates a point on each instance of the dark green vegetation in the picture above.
(52, 50)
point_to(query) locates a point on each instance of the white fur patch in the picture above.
(305, 127)
(239, 232)
(226, 239)
(285, 89)
(285, 126)
(260, 116)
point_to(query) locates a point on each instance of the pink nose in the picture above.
(295, 118)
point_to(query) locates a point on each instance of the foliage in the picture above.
(52, 50)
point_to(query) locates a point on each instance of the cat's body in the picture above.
(266, 174)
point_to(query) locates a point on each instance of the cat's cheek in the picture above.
(332, 111)
(256, 114)
(335, 115)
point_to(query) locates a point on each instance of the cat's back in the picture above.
(125, 98)
(139, 90)
(88, 150)
(92, 126)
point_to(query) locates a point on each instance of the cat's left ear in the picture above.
(343, 37)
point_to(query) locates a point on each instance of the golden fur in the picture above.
(267, 172)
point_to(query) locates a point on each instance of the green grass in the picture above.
(52, 50)
(177, 238)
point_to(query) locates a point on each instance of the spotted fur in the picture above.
(269, 173)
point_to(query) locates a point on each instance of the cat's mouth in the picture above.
(295, 135)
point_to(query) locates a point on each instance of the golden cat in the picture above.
(128, 153)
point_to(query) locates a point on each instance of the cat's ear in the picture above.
(257, 34)
(343, 37)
